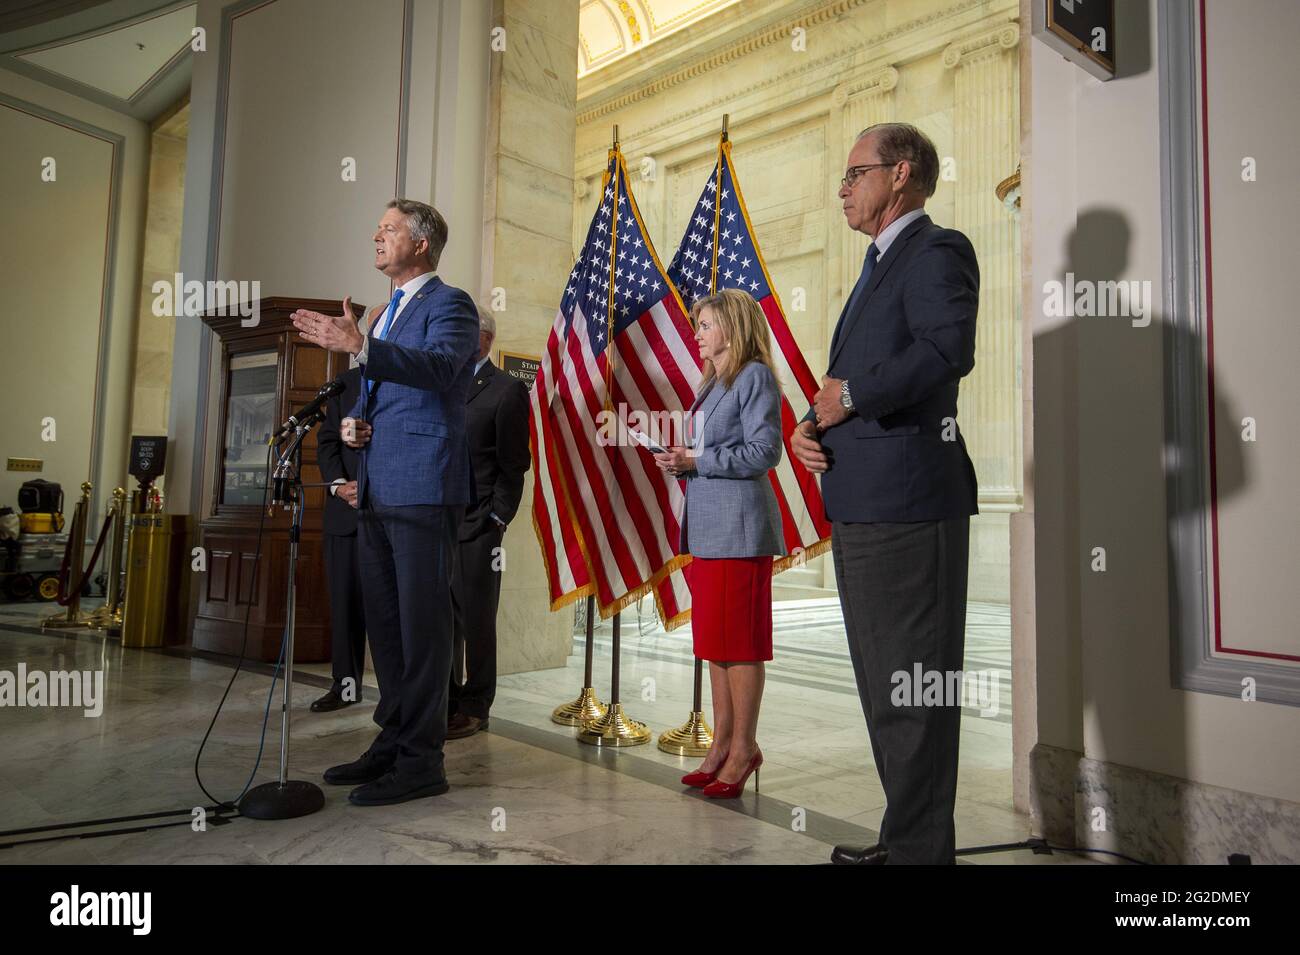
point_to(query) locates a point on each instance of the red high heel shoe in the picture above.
(720, 790)
(699, 780)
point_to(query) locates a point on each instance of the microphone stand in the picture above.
(286, 798)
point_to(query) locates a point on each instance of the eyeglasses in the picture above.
(854, 173)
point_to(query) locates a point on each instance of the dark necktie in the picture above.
(873, 254)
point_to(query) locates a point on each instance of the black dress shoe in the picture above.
(855, 855)
(461, 725)
(391, 789)
(331, 701)
(364, 770)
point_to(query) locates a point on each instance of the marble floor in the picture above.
(524, 792)
(815, 749)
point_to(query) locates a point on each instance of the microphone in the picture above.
(327, 391)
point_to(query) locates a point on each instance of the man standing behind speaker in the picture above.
(338, 467)
(498, 446)
(413, 484)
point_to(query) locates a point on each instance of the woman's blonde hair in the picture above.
(743, 326)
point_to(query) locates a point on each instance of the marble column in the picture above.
(862, 102)
(986, 134)
(162, 255)
(527, 255)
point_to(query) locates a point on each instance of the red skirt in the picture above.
(731, 608)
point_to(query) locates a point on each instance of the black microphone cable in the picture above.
(145, 822)
(243, 648)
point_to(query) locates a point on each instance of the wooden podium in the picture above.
(267, 372)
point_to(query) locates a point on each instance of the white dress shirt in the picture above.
(890, 232)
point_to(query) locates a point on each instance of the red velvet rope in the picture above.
(66, 598)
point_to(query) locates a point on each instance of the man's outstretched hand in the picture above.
(808, 449)
(331, 332)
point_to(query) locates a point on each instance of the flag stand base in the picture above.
(692, 738)
(615, 728)
(585, 709)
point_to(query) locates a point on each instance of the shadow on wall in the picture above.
(1104, 668)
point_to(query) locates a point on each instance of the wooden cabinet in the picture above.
(267, 372)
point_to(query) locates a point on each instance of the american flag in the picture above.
(605, 515)
(720, 236)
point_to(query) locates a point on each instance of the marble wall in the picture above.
(161, 260)
(799, 81)
(527, 215)
(69, 263)
(1100, 724)
(1155, 818)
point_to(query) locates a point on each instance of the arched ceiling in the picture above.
(132, 56)
(609, 30)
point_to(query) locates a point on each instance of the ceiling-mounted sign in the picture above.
(1082, 31)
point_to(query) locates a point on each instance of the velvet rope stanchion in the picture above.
(109, 617)
(587, 706)
(72, 556)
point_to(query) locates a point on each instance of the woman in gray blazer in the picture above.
(731, 526)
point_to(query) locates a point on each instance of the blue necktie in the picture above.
(873, 254)
(385, 326)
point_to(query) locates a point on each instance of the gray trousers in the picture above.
(903, 592)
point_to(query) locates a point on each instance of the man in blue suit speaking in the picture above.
(413, 483)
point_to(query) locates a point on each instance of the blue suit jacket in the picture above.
(422, 370)
(731, 510)
(903, 345)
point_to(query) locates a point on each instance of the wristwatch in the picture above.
(845, 398)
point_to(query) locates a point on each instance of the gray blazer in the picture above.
(731, 510)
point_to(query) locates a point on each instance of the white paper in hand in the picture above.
(644, 440)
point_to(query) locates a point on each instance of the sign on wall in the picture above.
(523, 367)
(1082, 31)
(148, 457)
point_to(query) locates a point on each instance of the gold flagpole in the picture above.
(614, 728)
(695, 736)
(717, 208)
(587, 706)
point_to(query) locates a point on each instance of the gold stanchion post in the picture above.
(72, 617)
(109, 616)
